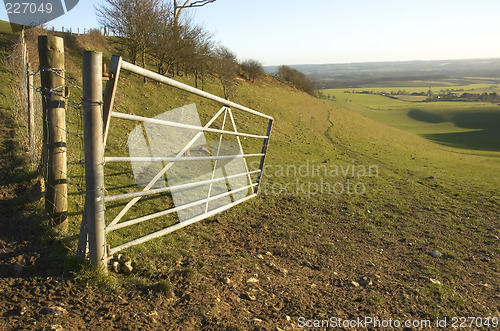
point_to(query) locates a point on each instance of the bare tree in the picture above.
(178, 7)
(157, 28)
(180, 27)
(226, 68)
(200, 62)
(178, 47)
(252, 69)
(136, 20)
(166, 43)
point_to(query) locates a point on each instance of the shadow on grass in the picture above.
(28, 245)
(423, 116)
(486, 123)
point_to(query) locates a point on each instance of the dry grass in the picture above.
(93, 41)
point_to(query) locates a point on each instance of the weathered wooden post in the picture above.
(51, 54)
(94, 157)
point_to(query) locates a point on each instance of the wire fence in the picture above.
(74, 172)
(104, 30)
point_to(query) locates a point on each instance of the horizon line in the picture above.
(383, 61)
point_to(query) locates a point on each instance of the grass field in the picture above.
(469, 126)
(357, 194)
(471, 85)
(466, 83)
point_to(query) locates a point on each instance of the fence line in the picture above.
(104, 30)
(85, 193)
(30, 103)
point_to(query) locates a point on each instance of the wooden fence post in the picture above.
(51, 54)
(94, 157)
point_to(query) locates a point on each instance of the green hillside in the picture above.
(7, 27)
(357, 195)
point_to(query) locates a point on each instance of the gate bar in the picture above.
(172, 188)
(160, 78)
(180, 125)
(165, 169)
(239, 142)
(178, 226)
(176, 209)
(110, 92)
(215, 161)
(117, 159)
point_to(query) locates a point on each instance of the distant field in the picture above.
(410, 84)
(447, 82)
(419, 86)
(411, 98)
(401, 74)
(470, 126)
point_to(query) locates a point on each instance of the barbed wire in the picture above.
(75, 168)
(60, 90)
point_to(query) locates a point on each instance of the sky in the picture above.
(277, 32)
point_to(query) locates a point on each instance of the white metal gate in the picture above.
(202, 185)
